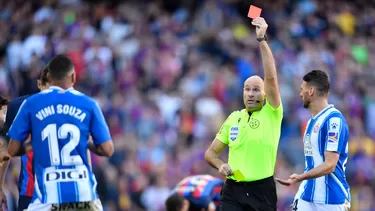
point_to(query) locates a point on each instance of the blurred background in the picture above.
(168, 73)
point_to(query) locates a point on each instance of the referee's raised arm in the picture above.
(252, 135)
(270, 75)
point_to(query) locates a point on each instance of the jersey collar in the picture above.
(323, 111)
(60, 89)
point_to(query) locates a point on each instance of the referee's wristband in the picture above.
(260, 39)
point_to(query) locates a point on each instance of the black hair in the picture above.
(44, 76)
(319, 79)
(175, 202)
(59, 67)
(3, 101)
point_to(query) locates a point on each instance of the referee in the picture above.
(252, 135)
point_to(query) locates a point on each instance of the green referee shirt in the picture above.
(253, 141)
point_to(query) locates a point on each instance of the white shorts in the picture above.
(95, 205)
(301, 205)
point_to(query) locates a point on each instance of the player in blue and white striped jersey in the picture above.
(324, 186)
(60, 120)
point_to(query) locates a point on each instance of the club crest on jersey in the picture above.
(254, 123)
(233, 133)
(316, 128)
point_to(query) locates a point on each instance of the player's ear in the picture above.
(49, 76)
(39, 84)
(73, 77)
(311, 91)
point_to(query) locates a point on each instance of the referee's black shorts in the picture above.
(249, 196)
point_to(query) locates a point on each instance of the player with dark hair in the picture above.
(3, 109)
(324, 186)
(177, 202)
(26, 178)
(3, 101)
(320, 81)
(60, 120)
(195, 193)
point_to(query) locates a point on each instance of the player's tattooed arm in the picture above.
(104, 149)
(17, 148)
(4, 155)
(3, 144)
(3, 169)
(5, 158)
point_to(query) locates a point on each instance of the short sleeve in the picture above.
(21, 127)
(99, 128)
(276, 112)
(222, 135)
(336, 134)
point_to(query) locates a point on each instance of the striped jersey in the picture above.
(26, 178)
(60, 122)
(200, 190)
(327, 131)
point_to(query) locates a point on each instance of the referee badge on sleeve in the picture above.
(233, 133)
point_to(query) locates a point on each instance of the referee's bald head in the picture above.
(255, 79)
(253, 93)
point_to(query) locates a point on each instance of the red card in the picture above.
(254, 12)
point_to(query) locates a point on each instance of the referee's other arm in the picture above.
(212, 157)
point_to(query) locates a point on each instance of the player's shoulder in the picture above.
(83, 99)
(29, 99)
(16, 102)
(335, 117)
(77, 93)
(334, 113)
(40, 94)
(80, 95)
(37, 98)
(20, 99)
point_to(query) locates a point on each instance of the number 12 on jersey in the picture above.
(53, 134)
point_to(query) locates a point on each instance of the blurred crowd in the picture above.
(167, 73)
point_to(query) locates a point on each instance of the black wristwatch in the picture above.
(262, 38)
